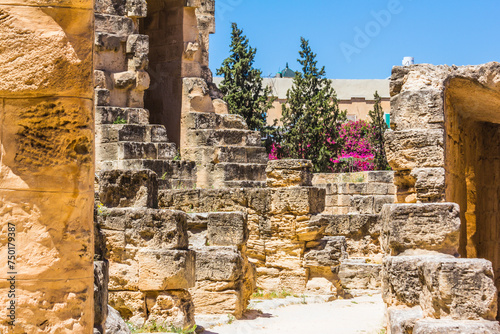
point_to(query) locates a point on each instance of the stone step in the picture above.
(111, 133)
(135, 150)
(171, 174)
(218, 154)
(244, 184)
(240, 172)
(112, 115)
(203, 121)
(231, 137)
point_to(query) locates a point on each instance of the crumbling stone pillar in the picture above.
(46, 166)
(444, 147)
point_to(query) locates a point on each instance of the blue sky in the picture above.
(361, 39)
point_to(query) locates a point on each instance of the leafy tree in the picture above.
(379, 127)
(242, 84)
(311, 116)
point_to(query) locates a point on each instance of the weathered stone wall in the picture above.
(46, 165)
(443, 147)
(286, 243)
(225, 279)
(363, 192)
(150, 265)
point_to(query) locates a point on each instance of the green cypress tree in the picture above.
(311, 116)
(379, 126)
(242, 83)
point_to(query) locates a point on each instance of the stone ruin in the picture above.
(441, 238)
(190, 217)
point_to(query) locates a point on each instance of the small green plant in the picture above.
(177, 157)
(164, 176)
(360, 179)
(153, 327)
(120, 120)
(231, 318)
(383, 331)
(260, 294)
(101, 209)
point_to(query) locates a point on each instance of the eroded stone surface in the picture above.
(442, 286)
(434, 227)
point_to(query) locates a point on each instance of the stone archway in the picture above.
(472, 164)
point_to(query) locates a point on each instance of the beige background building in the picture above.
(355, 96)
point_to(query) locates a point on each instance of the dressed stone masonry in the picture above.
(445, 150)
(46, 165)
(150, 265)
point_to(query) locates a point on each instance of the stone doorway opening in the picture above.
(164, 26)
(472, 164)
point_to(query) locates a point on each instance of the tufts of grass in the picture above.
(260, 294)
(153, 327)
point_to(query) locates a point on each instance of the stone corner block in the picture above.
(330, 252)
(227, 229)
(428, 226)
(289, 173)
(128, 188)
(166, 269)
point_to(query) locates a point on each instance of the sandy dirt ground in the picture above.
(363, 314)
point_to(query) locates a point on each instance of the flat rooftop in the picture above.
(346, 88)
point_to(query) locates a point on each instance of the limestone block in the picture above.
(109, 115)
(136, 8)
(38, 226)
(380, 201)
(432, 226)
(147, 228)
(44, 305)
(402, 321)
(60, 57)
(418, 109)
(351, 225)
(307, 229)
(401, 283)
(123, 80)
(430, 184)
(461, 289)
(330, 252)
(222, 302)
(411, 149)
(130, 304)
(380, 176)
(124, 276)
(284, 254)
(362, 204)
(443, 286)
(113, 24)
(218, 264)
(358, 274)
(101, 279)
(289, 173)
(227, 229)
(166, 269)
(298, 201)
(434, 326)
(126, 188)
(170, 308)
(138, 48)
(293, 280)
(44, 141)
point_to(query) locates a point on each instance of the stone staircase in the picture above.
(126, 140)
(226, 152)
